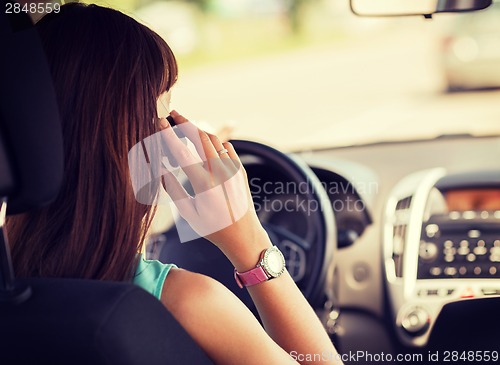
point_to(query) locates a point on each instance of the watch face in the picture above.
(274, 262)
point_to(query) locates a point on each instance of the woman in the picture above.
(109, 74)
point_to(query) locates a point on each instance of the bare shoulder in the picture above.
(183, 290)
(217, 320)
(193, 297)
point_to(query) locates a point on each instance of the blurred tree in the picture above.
(204, 5)
(295, 10)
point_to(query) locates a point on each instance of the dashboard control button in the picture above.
(463, 249)
(493, 270)
(450, 271)
(449, 251)
(480, 249)
(415, 322)
(454, 215)
(431, 230)
(432, 292)
(448, 244)
(469, 214)
(471, 257)
(435, 271)
(474, 233)
(495, 253)
(477, 270)
(449, 258)
(462, 270)
(484, 214)
(361, 272)
(497, 214)
(428, 251)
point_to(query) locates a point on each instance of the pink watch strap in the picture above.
(251, 277)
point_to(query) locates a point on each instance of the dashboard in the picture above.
(428, 234)
(434, 254)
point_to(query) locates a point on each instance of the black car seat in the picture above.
(62, 321)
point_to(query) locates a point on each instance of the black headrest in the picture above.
(31, 149)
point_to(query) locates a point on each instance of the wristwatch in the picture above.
(271, 265)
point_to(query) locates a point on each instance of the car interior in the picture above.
(395, 244)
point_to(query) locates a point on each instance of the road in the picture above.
(381, 86)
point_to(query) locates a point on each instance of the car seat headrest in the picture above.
(31, 148)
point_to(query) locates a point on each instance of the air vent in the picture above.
(401, 218)
(403, 203)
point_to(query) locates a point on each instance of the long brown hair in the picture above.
(108, 72)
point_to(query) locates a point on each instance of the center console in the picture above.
(441, 245)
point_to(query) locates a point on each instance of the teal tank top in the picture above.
(150, 275)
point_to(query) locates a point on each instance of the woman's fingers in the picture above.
(233, 156)
(188, 160)
(222, 196)
(181, 199)
(231, 151)
(221, 150)
(173, 187)
(179, 150)
(221, 159)
(163, 123)
(220, 165)
(190, 131)
(182, 122)
(207, 145)
(179, 119)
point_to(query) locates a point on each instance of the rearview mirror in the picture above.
(379, 8)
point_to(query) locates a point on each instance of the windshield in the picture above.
(309, 74)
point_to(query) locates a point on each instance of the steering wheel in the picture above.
(308, 255)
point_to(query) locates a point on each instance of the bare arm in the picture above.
(286, 314)
(219, 322)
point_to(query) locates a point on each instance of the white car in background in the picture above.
(470, 51)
